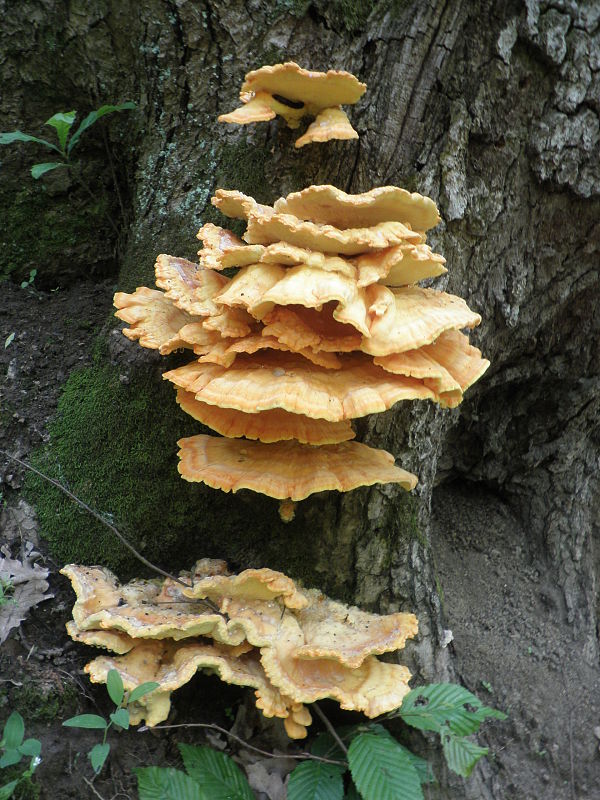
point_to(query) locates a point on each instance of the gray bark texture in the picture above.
(491, 108)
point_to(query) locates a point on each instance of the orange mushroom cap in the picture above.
(286, 469)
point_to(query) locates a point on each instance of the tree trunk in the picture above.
(490, 108)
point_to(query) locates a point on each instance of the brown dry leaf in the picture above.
(25, 586)
(280, 380)
(332, 206)
(267, 426)
(286, 469)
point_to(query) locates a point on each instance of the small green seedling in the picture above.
(119, 717)
(62, 122)
(15, 747)
(6, 591)
(30, 280)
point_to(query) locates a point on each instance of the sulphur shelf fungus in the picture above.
(293, 646)
(323, 322)
(288, 91)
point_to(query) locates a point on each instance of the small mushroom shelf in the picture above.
(324, 322)
(257, 629)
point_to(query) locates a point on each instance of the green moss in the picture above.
(41, 701)
(40, 231)
(114, 444)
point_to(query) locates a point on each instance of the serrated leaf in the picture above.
(10, 757)
(14, 731)
(315, 780)
(326, 746)
(61, 122)
(29, 586)
(93, 116)
(461, 754)
(7, 790)
(91, 721)
(37, 170)
(218, 775)
(30, 747)
(120, 717)
(114, 686)
(98, 755)
(158, 783)
(381, 771)
(429, 708)
(141, 690)
(18, 136)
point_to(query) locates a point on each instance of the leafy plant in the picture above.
(119, 717)
(211, 775)
(383, 769)
(380, 767)
(14, 748)
(6, 586)
(62, 122)
(30, 280)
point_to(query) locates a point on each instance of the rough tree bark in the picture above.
(493, 109)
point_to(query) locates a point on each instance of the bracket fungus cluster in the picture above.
(291, 92)
(257, 629)
(323, 322)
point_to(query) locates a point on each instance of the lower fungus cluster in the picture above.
(324, 322)
(255, 629)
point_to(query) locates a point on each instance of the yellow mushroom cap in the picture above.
(267, 426)
(331, 123)
(286, 469)
(280, 380)
(321, 89)
(155, 322)
(189, 286)
(332, 206)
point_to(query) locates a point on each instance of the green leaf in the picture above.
(314, 780)
(62, 122)
(326, 746)
(38, 170)
(17, 136)
(121, 718)
(428, 708)
(381, 770)
(98, 755)
(93, 116)
(10, 757)
(7, 343)
(30, 747)
(156, 783)
(218, 775)
(14, 730)
(7, 790)
(114, 686)
(86, 721)
(141, 690)
(461, 754)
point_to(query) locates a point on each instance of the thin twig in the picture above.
(99, 517)
(92, 787)
(330, 727)
(298, 757)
